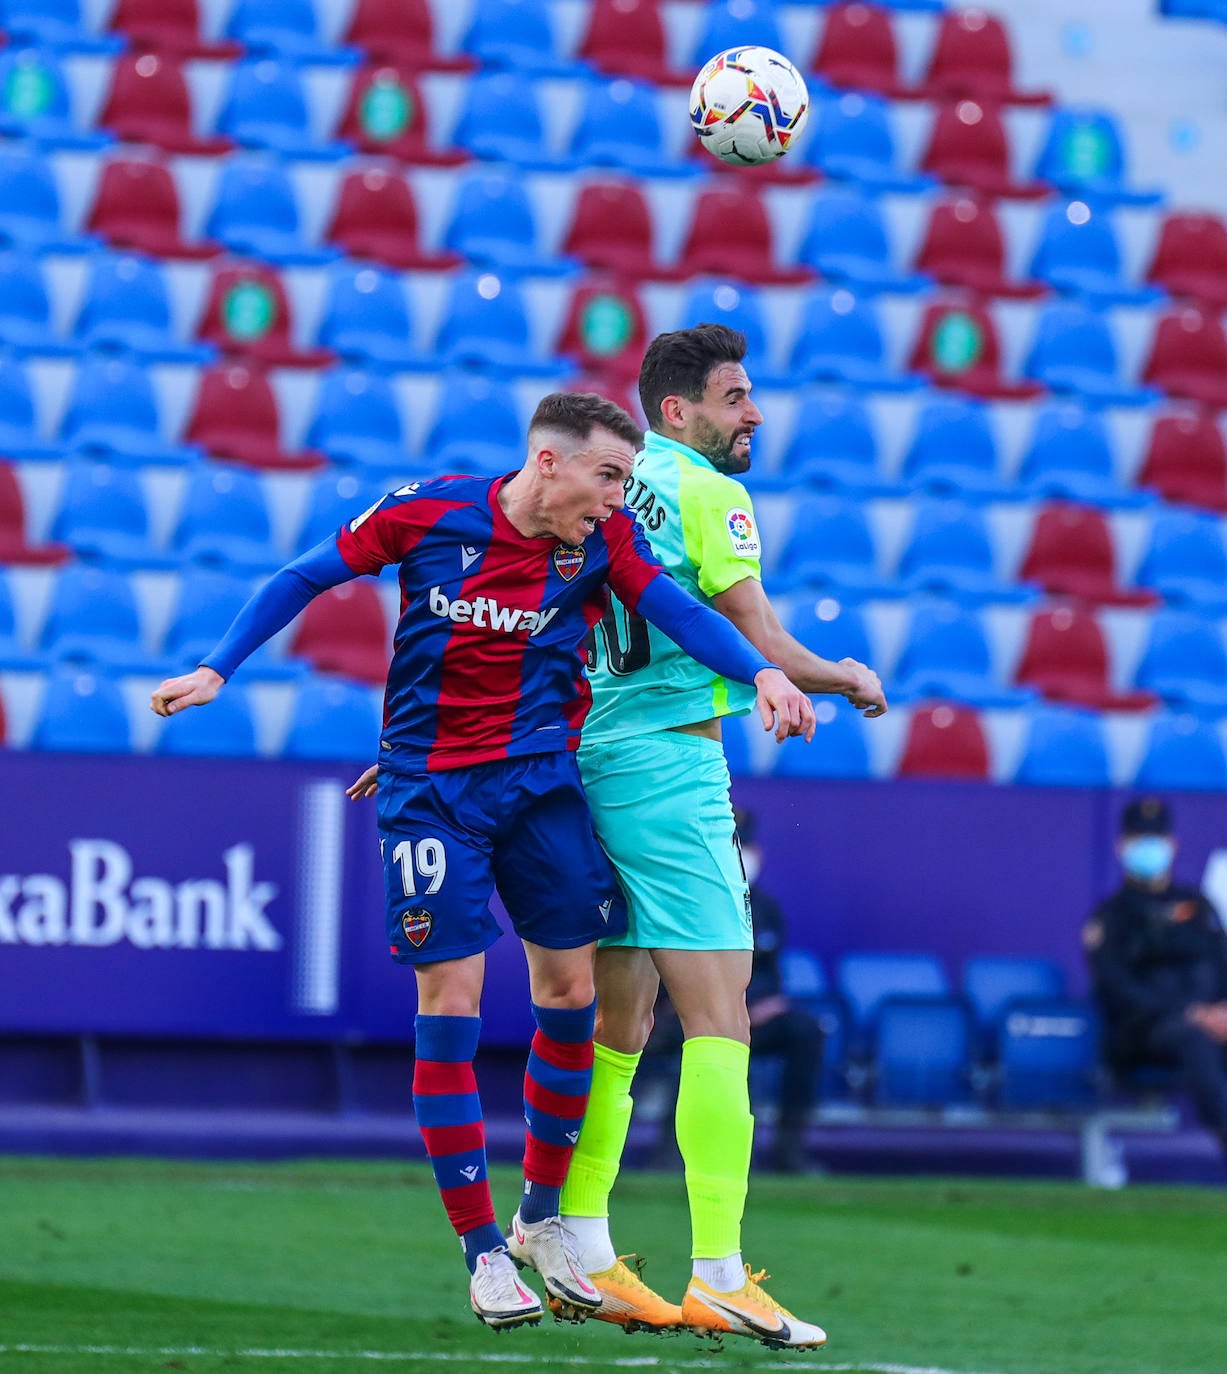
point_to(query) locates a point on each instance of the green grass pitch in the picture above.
(112, 1266)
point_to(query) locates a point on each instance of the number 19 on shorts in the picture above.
(421, 861)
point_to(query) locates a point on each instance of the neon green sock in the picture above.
(715, 1133)
(602, 1138)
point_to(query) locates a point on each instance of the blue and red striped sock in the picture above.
(556, 1086)
(448, 1112)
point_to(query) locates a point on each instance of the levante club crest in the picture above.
(568, 560)
(417, 925)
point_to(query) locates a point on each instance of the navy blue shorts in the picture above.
(519, 825)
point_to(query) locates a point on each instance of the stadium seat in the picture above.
(104, 516)
(19, 437)
(846, 241)
(493, 225)
(730, 236)
(991, 982)
(944, 740)
(14, 545)
(950, 554)
(957, 346)
(13, 658)
(247, 314)
(611, 230)
(266, 108)
(1084, 157)
(167, 26)
(1078, 255)
(25, 310)
(335, 499)
(1069, 456)
(831, 545)
(838, 749)
(851, 139)
(385, 116)
(1190, 258)
(834, 446)
(922, 1053)
(840, 340)
(376, 217)
(366, 319)
(225, 521)
(1186, 460)
(1185, 662)
(830, 628)
(207, 601)
(1073, 352)
(1049, 1056)
(30, 209)
(946, 655)
(484, 132)
(112, 413)
(735, 24)
(235, 416)
(740, 307)
(93, 619)
(35, 103)
(344, 632)
(964, 246)
(1064, 747)
(333, 720)
(605, 329)
(517, 35)
(357, 421)
(284, 29)
(149, 102)
(867, 979)
(126, 308)
(225, 731)
(969, 147)
(136, 206)
(1186, 562)
(82, 712)
(619, 126)
(477, 427)
(485, 324)
(953, 451)
(1184, 753)
(255, 214)
(57, 25)
(858, 51)
(971, 56)
(1072, 554)
(1188, 357)
(402, 32)
(627, 38)
(1065, 656)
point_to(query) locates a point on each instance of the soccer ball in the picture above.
(748, 105)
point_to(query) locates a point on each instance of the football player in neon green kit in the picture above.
(658, 785)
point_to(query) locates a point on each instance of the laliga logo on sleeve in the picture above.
(417, 925)
(742, 534)
(568, 559)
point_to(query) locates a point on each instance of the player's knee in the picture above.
(565, 992)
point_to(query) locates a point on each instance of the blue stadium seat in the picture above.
(19, 437)
(358, 421)
(991, 982)
(82, 713)
(30, 211)
(734, 24)
(739, 306)
(834, 447)
(126, 306)
(336, 498)
(367, 318)
(850, 139)
(1069, 456)
(333, 719)
(493, 225)
(517, 34)
(922, 1052)
(224, 729)
(1084, 157)
(801, 973)
(104, 516)
(208, 601)
(1049, 1056)
(54, 24)
(946, 655)
(840, 340)
(953, 451)
(950, 554)
(477, 427)
(619, 126)
(867, 979)
(93, 619)
(1183, 752)
(255, 213)
(285, 29)
(1073, 351)
(1185, 662)
(1186, 560)
(831, 544)
(112, 413)
(737, 752)
(25, 309)
(1078, 255)
(1065, 747)
(846, 241)
(13, 657)
(838, 749)
(35, 104)
(225, 521)
(485, 325)
(485, 131)
(830, 628)
(266, 108)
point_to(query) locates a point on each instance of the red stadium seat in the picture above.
(1066, 658)
(402, 32)
(236, 417)
(611, 230)
(13, 545)
(149, 102)
(972, 57)
(1186, 461)
(964, 246)
(605, 331)
(137, 207)
(613, 388)
(968, 146)
(344, 631)
(858, 50)
(957, 347)
(730, 236)
(386, 116)
(627, 38)
(1188, 357)
(168, 26)
(1072, 554)
(376, 217)
(4, 729)
(944, 741)
(1191, 258)
(247, 314)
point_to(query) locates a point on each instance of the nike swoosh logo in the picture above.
(782, 1332)
(468, 557)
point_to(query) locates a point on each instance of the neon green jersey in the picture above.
(700, 525)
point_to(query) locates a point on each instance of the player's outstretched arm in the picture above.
(782, 707)
(192, 689)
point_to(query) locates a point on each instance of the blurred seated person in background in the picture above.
(1158, 962)
(777, 1026)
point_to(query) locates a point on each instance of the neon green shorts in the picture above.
(661, 807)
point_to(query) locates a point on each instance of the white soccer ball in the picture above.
(748, 105)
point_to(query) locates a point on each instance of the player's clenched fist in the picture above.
(783, 707)
(193, 689)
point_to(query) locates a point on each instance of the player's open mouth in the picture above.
(743, 442)
(590, 523)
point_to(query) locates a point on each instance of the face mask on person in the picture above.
(1147, 857)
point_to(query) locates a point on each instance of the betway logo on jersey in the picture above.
(488, 614)
(105, 903)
